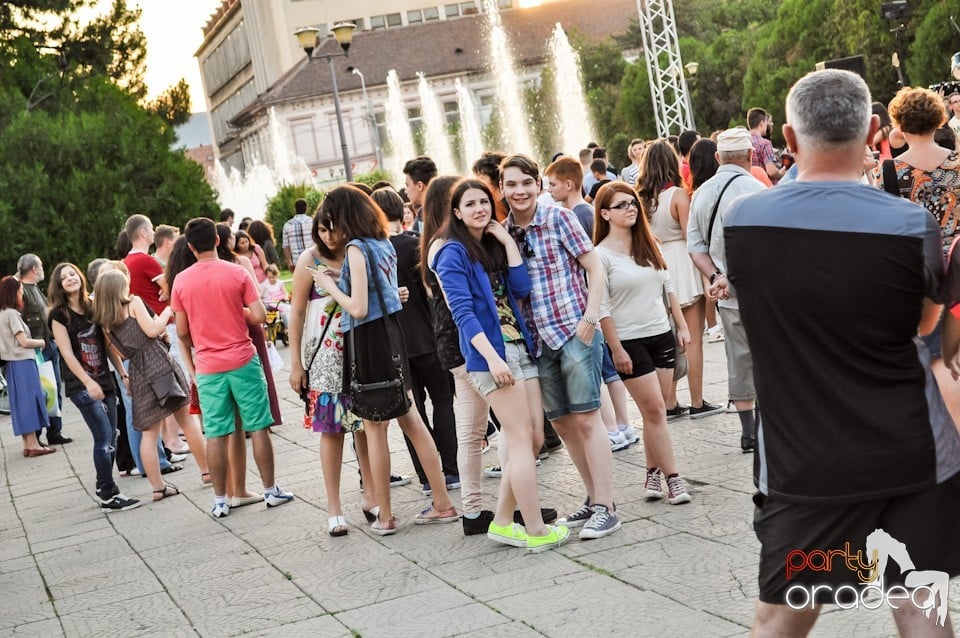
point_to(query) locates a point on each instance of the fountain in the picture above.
(398, 126)
(575, 129)
(435, 129)
(513, 118)
(469, 126)
(246, 194)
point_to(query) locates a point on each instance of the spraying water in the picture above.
(513, 118)
(435, 129)
(575, 128)
(469, 125)
(246, 194)
(398, 126)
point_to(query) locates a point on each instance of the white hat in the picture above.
(734, 139)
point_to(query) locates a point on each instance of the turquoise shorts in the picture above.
(224, 394)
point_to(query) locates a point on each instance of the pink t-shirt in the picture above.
(144, 272)
(213, 294)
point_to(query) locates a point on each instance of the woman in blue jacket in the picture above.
(482, 274)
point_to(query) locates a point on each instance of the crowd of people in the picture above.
(540, 301)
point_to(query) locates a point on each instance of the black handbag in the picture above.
(166, 387)
(387, 399)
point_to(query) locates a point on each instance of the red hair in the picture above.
(11, 294)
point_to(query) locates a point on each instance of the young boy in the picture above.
(214, 300)
(565, 306)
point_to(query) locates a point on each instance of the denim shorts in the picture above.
(608, 370)
(517, 359)
(243, 390)
(570, 377)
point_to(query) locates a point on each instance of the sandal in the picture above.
(432, 515)
(168, 490)
(371, 514)
(384, 528)
(206, 479)
(337, 526)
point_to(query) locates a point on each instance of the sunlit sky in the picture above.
(172, 29)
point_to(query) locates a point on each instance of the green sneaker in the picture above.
(557, 536)
(512, 534)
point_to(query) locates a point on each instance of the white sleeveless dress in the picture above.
(686, 278)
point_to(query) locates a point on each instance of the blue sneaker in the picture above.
(276, 500)
(452, 481)
(427, 490)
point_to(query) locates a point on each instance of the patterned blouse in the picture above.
(938, 191)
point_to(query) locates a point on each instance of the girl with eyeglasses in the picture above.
(635, 325)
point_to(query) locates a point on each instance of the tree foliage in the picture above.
(173, 105)
(79, 152)
(280, 207)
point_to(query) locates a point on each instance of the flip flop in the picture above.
(371, 514)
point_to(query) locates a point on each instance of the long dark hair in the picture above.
(659, 166)
(703, 161)
(57, 296)
(223, 248)
(643, 245)
(181, 258)
(260, 232)
(350, 212)
(488, 251)
(436, 209)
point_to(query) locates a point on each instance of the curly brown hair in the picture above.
(916, 110)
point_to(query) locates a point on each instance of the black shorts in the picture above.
(649, 353)
(812, 542)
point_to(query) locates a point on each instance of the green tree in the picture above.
(173, 105)
(79, 152)
(280, 206)
(602, 68)
(934, 41)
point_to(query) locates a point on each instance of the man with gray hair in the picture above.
(30, 273)
(706, 246)
(834, 280)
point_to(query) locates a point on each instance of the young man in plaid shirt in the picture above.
(564, 308)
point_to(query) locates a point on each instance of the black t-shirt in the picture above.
(89, 348)
(831, 278)
(415, 318)
(596, 188)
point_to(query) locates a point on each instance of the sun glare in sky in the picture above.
(526, 4)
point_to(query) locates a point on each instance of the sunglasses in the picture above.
(630, 203)
(520, 236)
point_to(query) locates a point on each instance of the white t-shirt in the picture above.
(633, 297)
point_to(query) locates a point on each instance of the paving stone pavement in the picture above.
(169, 569)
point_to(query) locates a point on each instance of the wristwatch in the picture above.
(714, 276)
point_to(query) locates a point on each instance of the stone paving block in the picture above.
(511, 629)
(96, 533)
(108, 590)
(238, 620)
(504, 570)
(635, 531)
(17, 563)
(441, 612)
(614, 609)
(150, 615)
(326, 626)
(48, 628)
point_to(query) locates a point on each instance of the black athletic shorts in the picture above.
(649, 353)
(817, 544)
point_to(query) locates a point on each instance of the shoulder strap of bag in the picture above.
(890, 178)
(383, 307)
(323, 334)
(716, 207)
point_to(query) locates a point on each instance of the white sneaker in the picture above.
(220, 510)
(276, 500)
(617, 441)
(715, 337)
(629, 433)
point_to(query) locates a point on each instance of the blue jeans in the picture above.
(101, 418)
(52, 354)
(134, 435)
(570, 377)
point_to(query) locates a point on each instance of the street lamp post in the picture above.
(373, 121)
(343, 32)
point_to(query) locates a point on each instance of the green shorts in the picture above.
(224, 394)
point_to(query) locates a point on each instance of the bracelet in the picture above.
(714, 276)
(592, 322)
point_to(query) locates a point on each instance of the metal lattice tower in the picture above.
(661, 50)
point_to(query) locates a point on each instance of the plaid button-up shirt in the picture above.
(296, 235)
(551, 244)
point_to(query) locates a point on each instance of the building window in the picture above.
(451, 113)
(430, 14)
(414, 17)
(468, 8)
(393, 20)
(228, 59)
(304, 140)
(358, 22)
(378, 22)
(451, 10)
